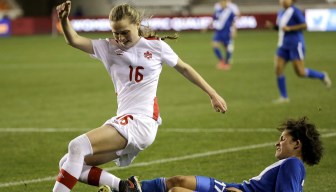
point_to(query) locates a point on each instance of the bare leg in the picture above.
(94, 148)
(106, 139)
(99, 159)
(299, 68)
(102, 153)
(216, 44)
(179, 189)
(301, 71)
(186, 182)
(280, 65)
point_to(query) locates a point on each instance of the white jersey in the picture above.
(135, 72)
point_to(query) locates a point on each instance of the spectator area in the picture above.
(4, 5)
(9, 9)
(160, 6)
(262, 6)
(189, 7)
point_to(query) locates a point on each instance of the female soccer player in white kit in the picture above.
(134, 61)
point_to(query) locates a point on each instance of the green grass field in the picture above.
(46, 84)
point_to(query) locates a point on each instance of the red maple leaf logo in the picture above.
(119, 52)
(148, 55)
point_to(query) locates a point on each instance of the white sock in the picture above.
(97, 177)
(72, 167)
(105, 178)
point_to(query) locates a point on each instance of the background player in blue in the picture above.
(223, 19)
(291, 47)
(299, 142)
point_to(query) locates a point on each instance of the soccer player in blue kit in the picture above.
(291, 47)
(299, 143)
(223, 20)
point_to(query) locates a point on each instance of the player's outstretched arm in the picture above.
(187, 71)
(70, 35)
(270, 25)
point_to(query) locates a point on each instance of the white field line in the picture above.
(160, 161)
(178, 130)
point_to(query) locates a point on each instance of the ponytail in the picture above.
(147, 32)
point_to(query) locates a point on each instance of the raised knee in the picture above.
(62, 161)
(215, 45)
(301, 73)
(74, 147)
(278, 71)
(80, 146)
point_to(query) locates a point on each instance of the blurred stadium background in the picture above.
(38, 16)
(50, 93)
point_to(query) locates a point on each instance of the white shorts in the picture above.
(140, 132)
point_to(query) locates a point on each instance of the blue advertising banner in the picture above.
(4, 27)
(321, 19)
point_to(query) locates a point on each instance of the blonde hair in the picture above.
(123, 11)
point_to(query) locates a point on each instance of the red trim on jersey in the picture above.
(66, 179)
(152, 38)
(156, 109)
(94, 176)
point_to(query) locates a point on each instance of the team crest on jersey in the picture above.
(119, 52)
(148, 55)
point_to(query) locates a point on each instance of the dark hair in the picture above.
(301, 129)
(122, 11)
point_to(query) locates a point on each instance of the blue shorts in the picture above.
(208, 184)
(223, 38)
(291, 54)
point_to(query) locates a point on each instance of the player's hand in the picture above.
(218, 103)
(286, 28)
(63, 10)
(232, 189)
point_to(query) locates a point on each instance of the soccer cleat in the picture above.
(223, 66)
(326, 80)
(132, 184)
(281, 100)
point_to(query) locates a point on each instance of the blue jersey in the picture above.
(222, 21)
(289, 17)
(283, 176)
(286, 175)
